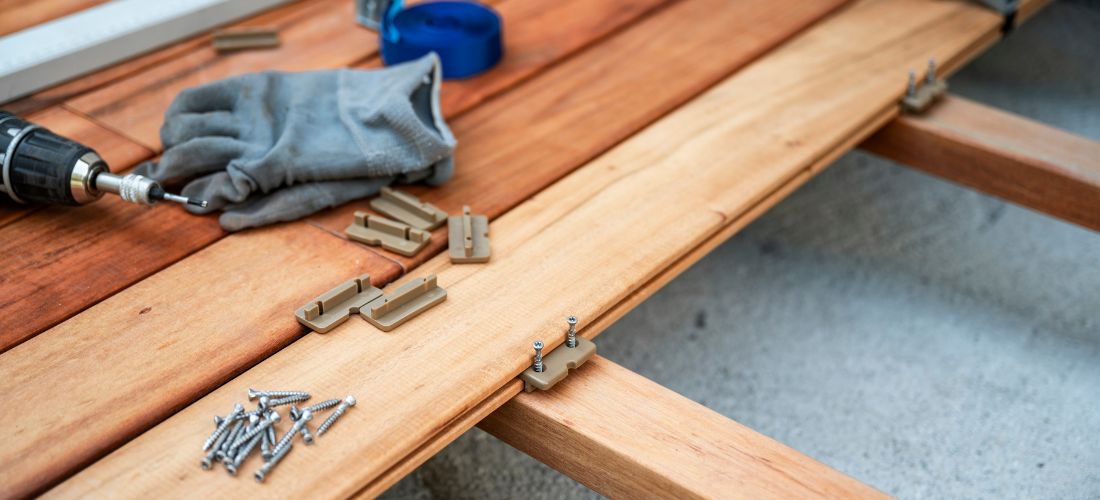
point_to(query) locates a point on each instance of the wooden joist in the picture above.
(581, 246)
(627, 437)
(145, 350)
(1001, 154)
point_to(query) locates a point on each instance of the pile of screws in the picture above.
(239, 433)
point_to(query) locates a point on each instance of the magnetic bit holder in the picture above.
(409, 300)
(409, 209)
(919, 97)
(556, 365)
(333, 307)
(468, 238)
(391, 235)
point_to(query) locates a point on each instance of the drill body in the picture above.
(39, 166)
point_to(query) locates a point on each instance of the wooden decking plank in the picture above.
(628, 437)
(116, 233)
(313, 35)
(102, 377)
(1001, 154)
(105, 316)
(579, 247)
(578, 109)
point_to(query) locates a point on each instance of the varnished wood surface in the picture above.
(627, 437)
(1002, 154)
(836, 80)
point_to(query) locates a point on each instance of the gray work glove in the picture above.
(272, 146)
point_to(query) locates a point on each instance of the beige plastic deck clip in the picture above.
(468, 237)
(409, 300)
(333, 307)
(556, 365)
(919, 97)
(391, 235)
(409, 209)
(231, 39)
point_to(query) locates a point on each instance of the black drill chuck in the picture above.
(39, 166)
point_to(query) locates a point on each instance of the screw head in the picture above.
(238, 408)
(350, 400)
(252, 419)
(306, 416)
(572, 320)
(295, 412)
(275, 416)
(538, 345)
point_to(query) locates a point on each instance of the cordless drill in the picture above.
(40, 166)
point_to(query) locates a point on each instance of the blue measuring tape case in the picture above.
(465, 35)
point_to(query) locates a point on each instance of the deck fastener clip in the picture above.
(408, 209)
(391, 235)
(468, 238)
(919, 97)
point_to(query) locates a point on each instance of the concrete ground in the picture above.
(926, 339)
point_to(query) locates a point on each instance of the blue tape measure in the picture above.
(465, 35)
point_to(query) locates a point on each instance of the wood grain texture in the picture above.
(786, 112)
(578, 109)
(104, 376)
(21, 14)
(112, 147)
(61, 260)
(313, 35)
(528, 54)
(104, 316)
(1002, 154)
(627, 437)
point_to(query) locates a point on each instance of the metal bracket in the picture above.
(412, 298)
(228, 40)
(409, 209)
(556, 365)
(334, 306)
(391, 235)
(919, 97)
(468, 237)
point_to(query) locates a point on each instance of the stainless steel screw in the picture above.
(223, 426)
(210, 457)
(538, 356)
(571, 337)
(295, 429)
(296, 412)
(265, 444)
(347, 403)
(225, 449)
(261, 427)
(911, 89)
(235, 464)
(253, 394)
(306, 435)
(270, 464)
(287, 400)
(930, 77)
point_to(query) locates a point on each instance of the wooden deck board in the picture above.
(42, 303)
(834, 81)
(203, 315)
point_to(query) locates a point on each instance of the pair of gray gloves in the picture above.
(272, 146)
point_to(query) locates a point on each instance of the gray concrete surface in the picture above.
(926, 339)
